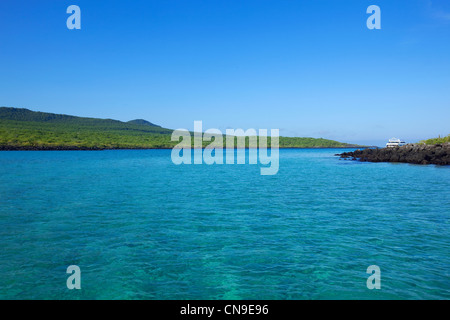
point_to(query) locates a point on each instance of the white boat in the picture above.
(395, 142)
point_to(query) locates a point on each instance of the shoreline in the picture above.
(2, 148)
(438, 154)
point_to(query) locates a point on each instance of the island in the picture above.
(23, 129)
(432, 151)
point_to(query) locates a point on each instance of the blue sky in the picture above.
(308, 68)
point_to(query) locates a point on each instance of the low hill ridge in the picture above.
(23, 129)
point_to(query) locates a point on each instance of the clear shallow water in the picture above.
(140, 227)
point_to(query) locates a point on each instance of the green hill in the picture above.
(142, 122)
(23, 129)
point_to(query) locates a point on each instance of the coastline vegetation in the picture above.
(439, 140)
(23, 129)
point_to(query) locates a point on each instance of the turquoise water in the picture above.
(140, 227)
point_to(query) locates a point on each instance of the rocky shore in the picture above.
(411, 153)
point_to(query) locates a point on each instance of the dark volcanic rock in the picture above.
(410, 153)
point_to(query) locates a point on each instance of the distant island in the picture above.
(23, 129)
